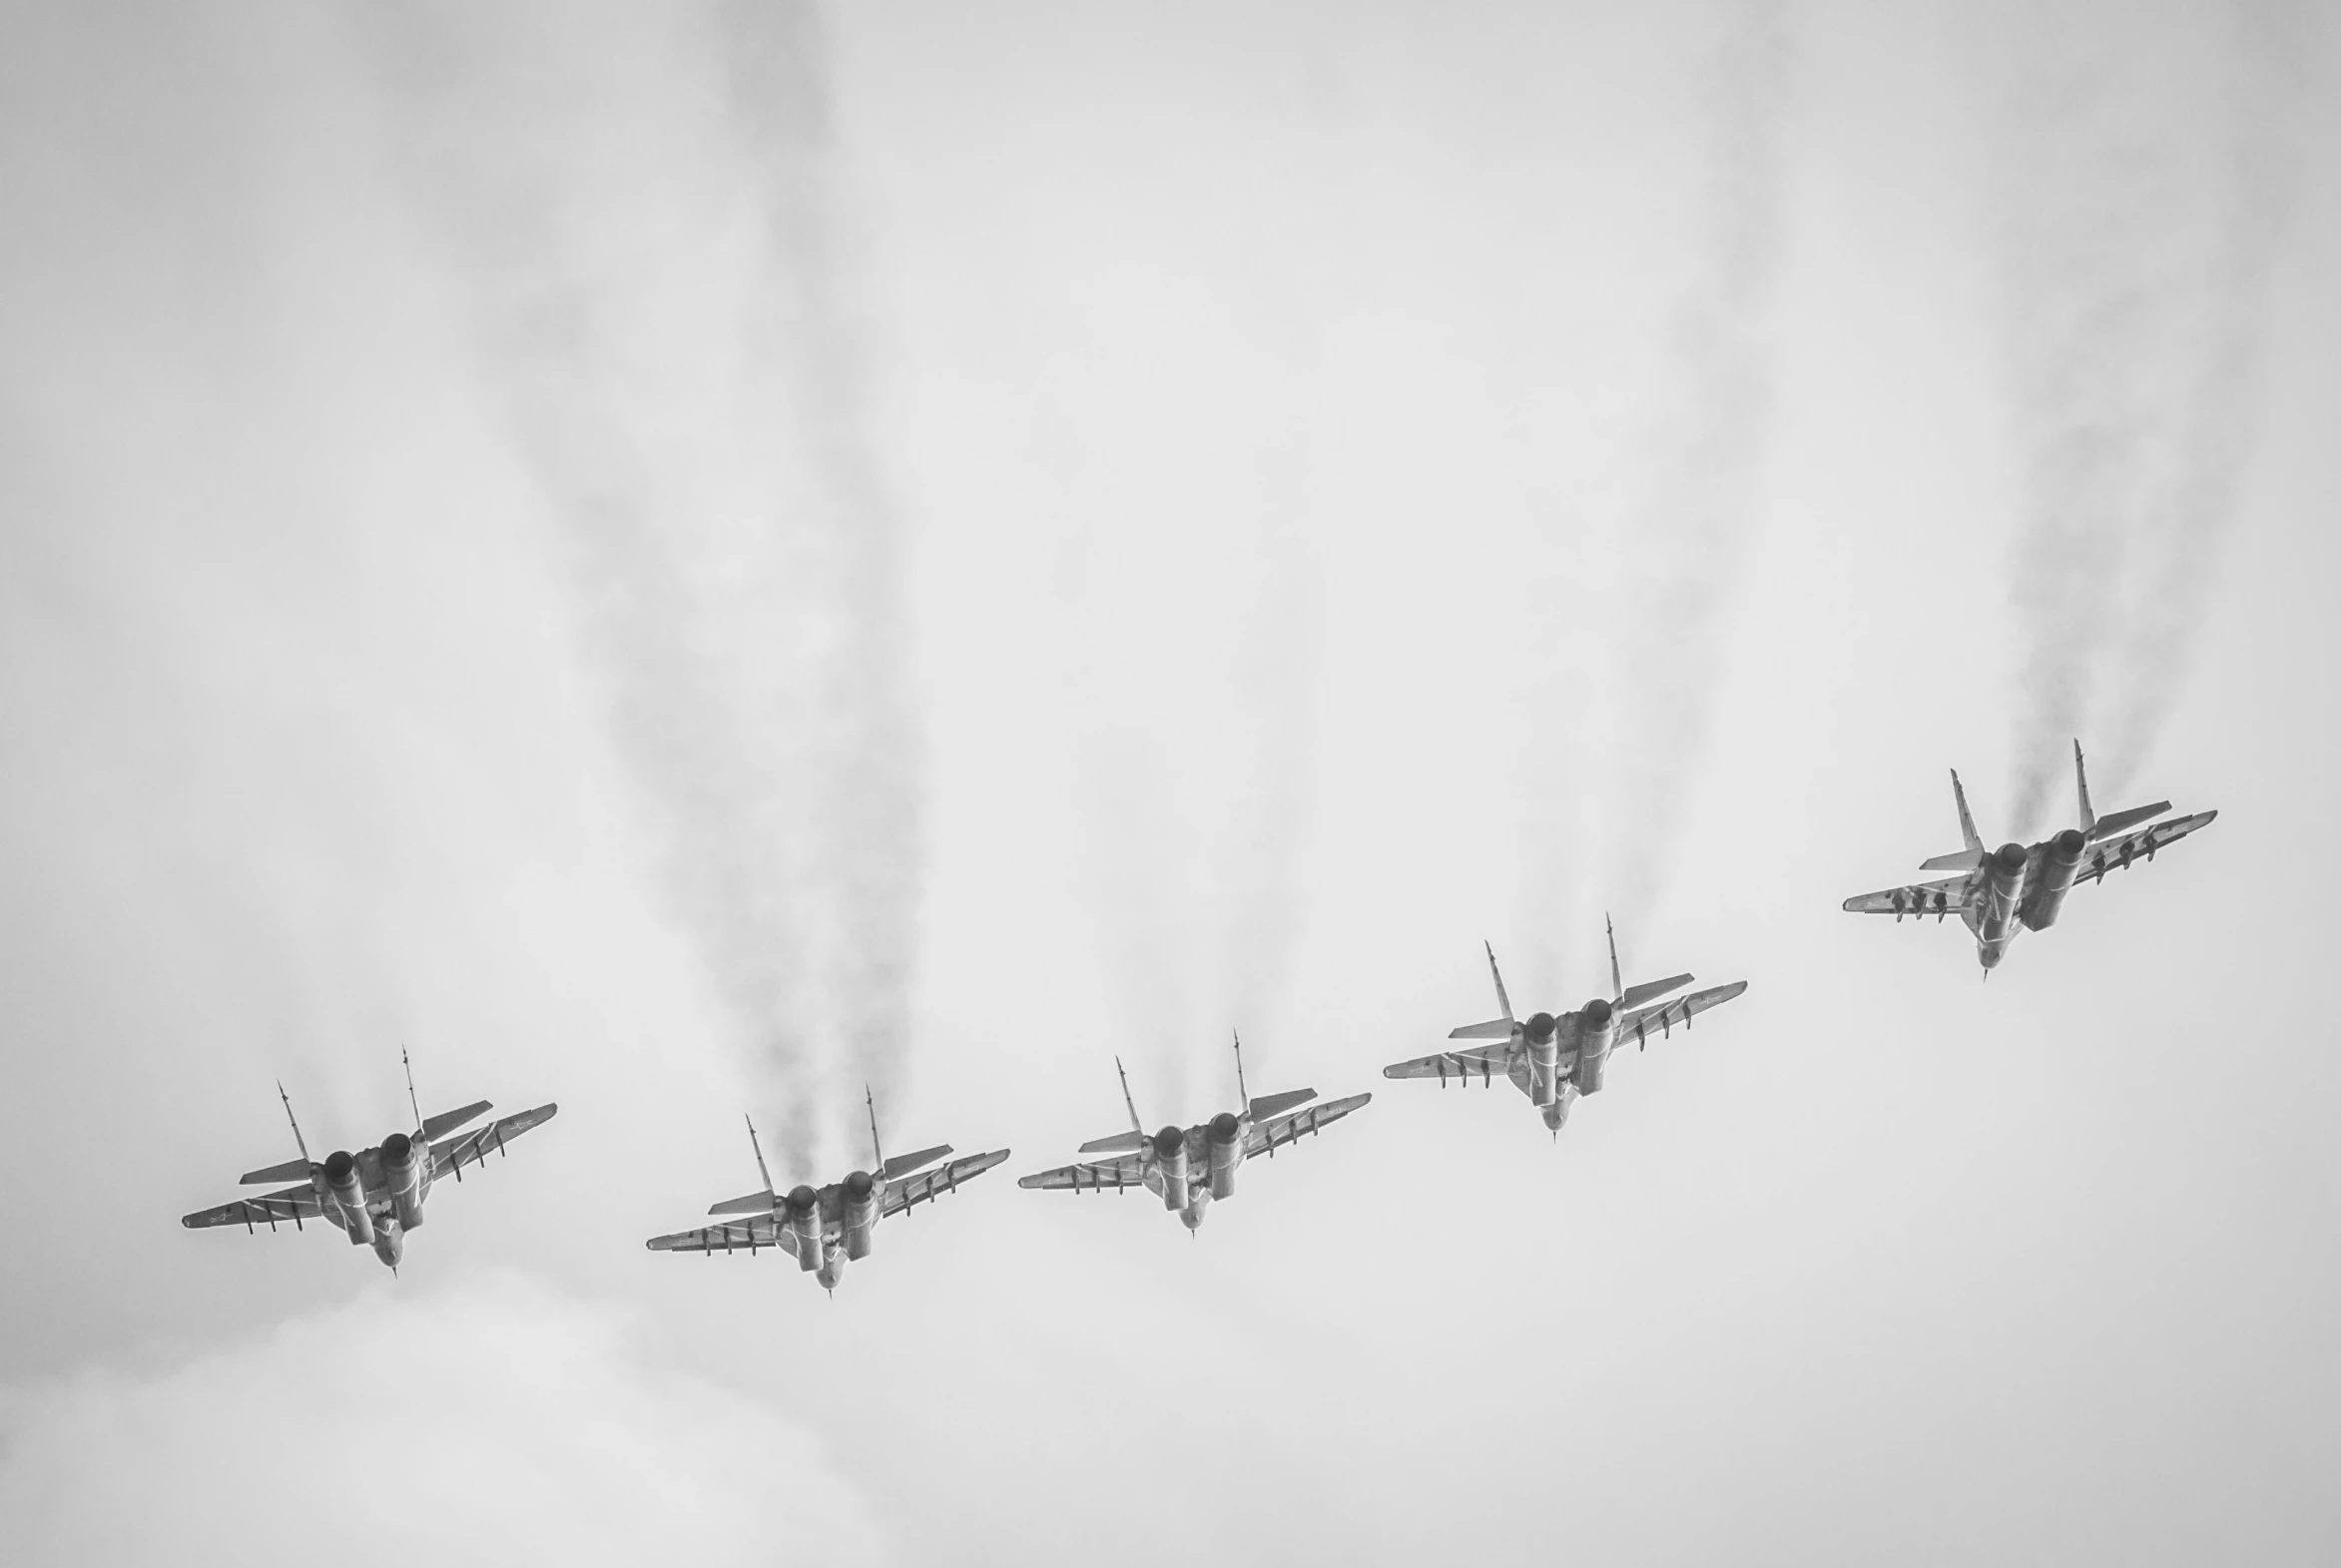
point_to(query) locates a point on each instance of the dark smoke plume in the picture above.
(663, 304)
(2139, 180)
(1706, 462)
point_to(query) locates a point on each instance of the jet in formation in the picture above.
(2013, 888)
(1554, 1059)
(826, 1228)
(374, 1196)
(1190, 1168)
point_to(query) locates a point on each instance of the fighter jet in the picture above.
(1188, 1167)
(377, 1195)
(1553, 1060)
(2013, 888)
(825, 1228)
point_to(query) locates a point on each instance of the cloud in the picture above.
(499, 1423)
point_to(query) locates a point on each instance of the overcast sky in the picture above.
(680, 560)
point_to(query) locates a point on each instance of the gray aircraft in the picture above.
(1554, 1059)
(826, 1228)
(374, 1196)
(1189, 1168)
(2013, 888)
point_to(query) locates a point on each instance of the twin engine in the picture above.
(2060, 864)
(1226, 1142)
(802, 1211)
(347, 1190)
(1542, 1033)
(402, 1172)
(861, 1200)
(1596, 1033)
(1170, 1159)
(2003, 889)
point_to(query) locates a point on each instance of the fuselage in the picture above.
(1188, 1167)
(2019, 888)
(377, 1195)
(1582, 1041)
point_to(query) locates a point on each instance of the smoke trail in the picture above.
(2139, 207)
(663, 315)
(2263, 88)
(1706, 462)
(869, 855)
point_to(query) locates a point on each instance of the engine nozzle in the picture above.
(1224, 1128)
(1170, 1142)
(2070, 843)
(1540, 1027)
(2010, 858)
(805, 1226)
(1598, 1012)
(403, 1173)
(348, 1194)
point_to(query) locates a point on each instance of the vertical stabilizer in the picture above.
(298, 1142)
(1616, 976)
(2080, 779)
(1966, 823)
(1502, 1001)
(412, 1104)
(759, 1148)
(1242, 1095)
(1128, 1104)
(877, 1152)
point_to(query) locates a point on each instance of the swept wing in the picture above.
(909, 1191)
(294, 1206)
(1661, 1020)
(452, 1155)
(1933, 898)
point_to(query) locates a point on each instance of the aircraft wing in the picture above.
(1948, 897)
(1269, 1137)
(1644, 1022)
(452, 1155)
(909, 1191)
(294, 1206)
(1486, 1061)
(734, 1236)
(1096, 1176)
(2120, 853)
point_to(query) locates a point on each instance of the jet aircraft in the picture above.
(1189, 1168)
(1554, 1059)
(377, 1195)
(823, 1229)
(2013, 888)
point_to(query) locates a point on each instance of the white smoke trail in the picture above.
(2139, 187)
(662, 310)
(1705, 461)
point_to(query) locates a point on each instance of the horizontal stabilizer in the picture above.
(1961, 860)
(1493, 1029)
(749, 1203)
(289, 1171)
(1650, 991)
(904, 1163)
(2122, 821)
(1119, 1143)
(437, 1127)
(1269, 1105)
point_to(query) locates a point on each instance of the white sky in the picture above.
(1358, 483)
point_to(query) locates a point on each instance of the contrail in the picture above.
(687, 392)
(1706, 462)
(2141, 193)
(870, 848)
